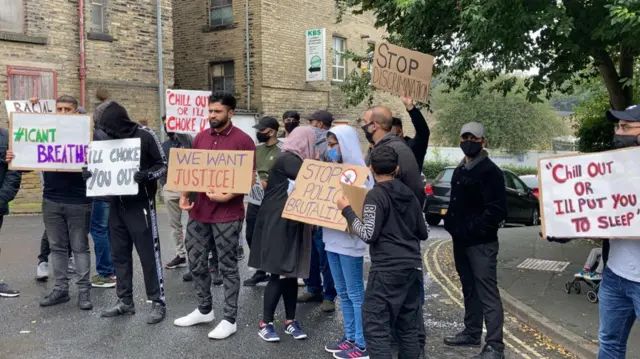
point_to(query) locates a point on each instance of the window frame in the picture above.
(22, 20)
(103, 17)
(224, 76)
(32, 72)
(213, 7)
(335, 67)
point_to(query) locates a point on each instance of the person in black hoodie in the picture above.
(132, 219)
(393, 225)
(420, 142)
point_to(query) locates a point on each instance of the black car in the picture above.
(522, 205)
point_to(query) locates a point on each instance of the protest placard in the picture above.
(187, 111)
(356, 196)
(399, 70)
(112, 165)
(257, 192)
(42, 106)
(201, 170)
(317, 189)
(592, 195)
(48, 142)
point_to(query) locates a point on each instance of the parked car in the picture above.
(522, 205)
(532, 182)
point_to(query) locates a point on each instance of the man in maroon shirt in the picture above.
(215, 219)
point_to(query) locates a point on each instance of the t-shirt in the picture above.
(624, 258)
(65, 187)
(265, 157)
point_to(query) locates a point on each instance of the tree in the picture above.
(479, 40)
(594, 134)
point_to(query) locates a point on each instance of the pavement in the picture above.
(64, 331)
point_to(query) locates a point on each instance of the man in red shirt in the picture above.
(215, 219)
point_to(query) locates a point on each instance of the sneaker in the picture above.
(581, 273)
(354, 352)
(489, 353)
(216, 278)
(340, 346)
(5, 291)
(72, 266)
(54, 298)
(187, 277)
(258, 277)
(194, 318)
(119, 308)
(177, 262)
(42, 271)
(240, 254)
(268, 333)
(223, 330)
(295, 331)
(103, 282)
(157, 313)
(328, 306)
(307, 297)
(593, 276)
(84, 300)
(301, 282)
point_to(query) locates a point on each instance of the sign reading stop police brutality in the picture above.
(591, 195)
(399, 70)
(48, 142)
(317, 189)
(42, 106)
(112, 165)
(187, 111)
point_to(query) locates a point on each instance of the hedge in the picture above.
(431, 169)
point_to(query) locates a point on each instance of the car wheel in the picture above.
(433, 219)
(535, 217)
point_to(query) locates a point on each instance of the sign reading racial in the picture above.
(317, 189)
(204, 170)
(112, 165)
(187, 111)
(47, 142)
(591, 195)
(42, 106)
(399, 70)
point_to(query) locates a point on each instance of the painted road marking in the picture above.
(543, 265)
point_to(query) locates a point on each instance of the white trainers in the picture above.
(194, 318)
(42, 272)
(223, 330)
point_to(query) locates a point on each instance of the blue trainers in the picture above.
(294, 330)
(268, 333)
(352, 353)
(340, 346)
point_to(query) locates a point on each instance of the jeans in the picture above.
(619, 307)
(100, 235)
(172, 202)
(45, 250)
(319, 266)
(349, 281)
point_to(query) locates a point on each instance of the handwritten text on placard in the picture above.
(42, 106)
(187, 111)
(112, 165)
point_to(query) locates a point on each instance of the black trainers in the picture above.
(216, 278)
(156, 313)
(257, 277)
(462, 340)
(119, 308)
(187, 277)
(54, 298)
(489, 352)
(7, 292)
(84, 300)
(177, 262)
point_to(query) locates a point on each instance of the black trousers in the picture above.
(45, 250)
(277, 287)
(477, 268)
(393, 299)
(135, 224)
(251, 217)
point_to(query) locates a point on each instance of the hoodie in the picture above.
(393, 225)
(341, 242)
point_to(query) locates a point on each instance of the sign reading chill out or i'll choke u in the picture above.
(593, 195)
(192, 170)
(187, 111)
(47, 142)
(112, 165)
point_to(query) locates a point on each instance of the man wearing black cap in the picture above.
(478, 206)
(291, 120)
(266, 153)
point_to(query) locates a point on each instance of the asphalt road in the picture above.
(64, 331)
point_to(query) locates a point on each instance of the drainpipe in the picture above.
(246, 34)
(160, 68)
(83, 68)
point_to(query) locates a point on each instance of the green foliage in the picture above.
(356, 88)
(594, 132)
(435, 164)
(521, 170)
(432, 168)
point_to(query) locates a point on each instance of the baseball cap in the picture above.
(474, 128)
(323, 116)
(267, 122)
(632, 113)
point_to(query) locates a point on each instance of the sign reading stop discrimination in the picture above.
(187, 111)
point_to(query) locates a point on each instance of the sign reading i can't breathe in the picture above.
(187, 111)
(112, 165)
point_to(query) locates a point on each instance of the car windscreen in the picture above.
(445, 176)
(531, 182)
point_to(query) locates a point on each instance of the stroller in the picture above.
(590, 275)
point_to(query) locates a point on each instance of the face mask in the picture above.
(262, 137)
(334, 155)
(622, 141)
(217, 124)
(470, 148)
(366, 132)
(290, 126)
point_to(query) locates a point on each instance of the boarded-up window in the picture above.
(24, 83)
(222, 78)
(221, 12)
(11, 16)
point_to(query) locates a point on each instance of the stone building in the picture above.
(40, 56)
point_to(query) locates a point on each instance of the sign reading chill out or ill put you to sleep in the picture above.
(48, 142)
(592, 195)
(112, 165)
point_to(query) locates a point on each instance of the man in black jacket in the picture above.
(420, 142)
(9, 186)
(478, 205)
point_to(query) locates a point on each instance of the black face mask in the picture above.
(217, 124)
(290, 126)
(622, 141)
(262, 137)
(470, 148)
(367, 134)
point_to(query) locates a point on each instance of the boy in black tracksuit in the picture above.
(393, 225)
(132, 219)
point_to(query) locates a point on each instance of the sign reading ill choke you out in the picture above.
(112, 165)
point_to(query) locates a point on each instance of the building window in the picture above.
(97, 16)
(339, 62)
(12, 16)
(222, 78)
(221, 13)
(24, 83)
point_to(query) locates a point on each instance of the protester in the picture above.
(132, 218)
(478, 206)
(266, 154)
(393, 225)
(345, 254)
(9, 186)
(420, 142)
(291, 120)
(215, 219)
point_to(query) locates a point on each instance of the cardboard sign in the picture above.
(42, 106)
(257, 193)
(593, 195)
(399, 70)
(317, 189)
(201, 170)
(356, 196)
(113, 164)
(187, 111)
(47, 142)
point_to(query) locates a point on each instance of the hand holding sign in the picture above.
(343, 203)
(184, 203)
(217, 197)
